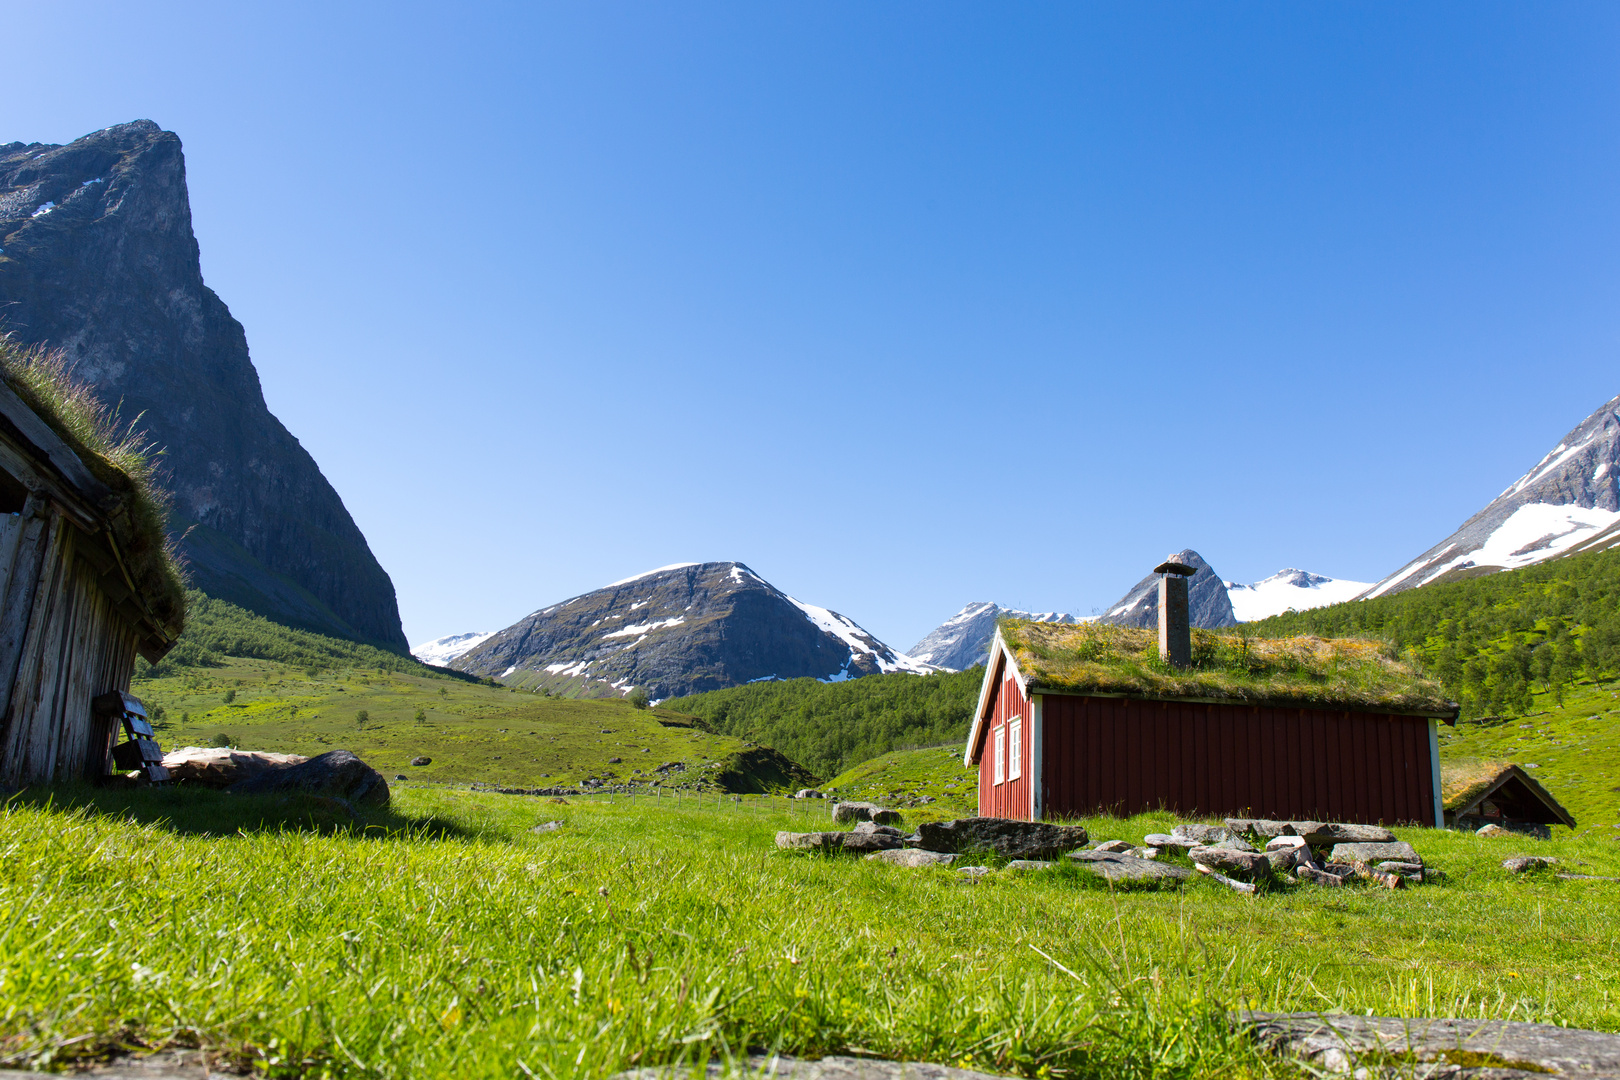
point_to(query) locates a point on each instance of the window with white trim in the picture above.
(1015, 749)
(1000, 763)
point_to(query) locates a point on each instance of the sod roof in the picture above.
(118, 455)
(1333, 673)
(1464, 783)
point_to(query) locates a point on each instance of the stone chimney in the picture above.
(1175, 631)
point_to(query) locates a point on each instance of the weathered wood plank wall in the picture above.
(61, 644)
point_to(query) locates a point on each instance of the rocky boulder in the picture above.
(1202, 834)
(1119, 867)
(864, 811)
(1316, 833)
(912, 857)
(1242, 865)
(811, 841)
(1004, 836)
(337, 773)
(1525, 863)
(220, 766)
(1398, 850)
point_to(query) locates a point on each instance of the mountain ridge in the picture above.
(1567, 502)
(98, 259)
(681, 629)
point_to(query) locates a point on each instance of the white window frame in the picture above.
(1015, 748)
(1000, 764)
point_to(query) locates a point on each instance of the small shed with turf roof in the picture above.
(1086, 719)
(87, 582)
(1477, 794)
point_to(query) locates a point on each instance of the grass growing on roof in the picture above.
(117, 454)
(1302, 670)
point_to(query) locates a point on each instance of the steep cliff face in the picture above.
(97, 258)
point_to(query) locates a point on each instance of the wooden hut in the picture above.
(85, 581)
(1088, 719)
(1498, 793)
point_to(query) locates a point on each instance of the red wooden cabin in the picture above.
(1046, 748)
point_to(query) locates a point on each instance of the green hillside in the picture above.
(905, 778)
(827, 727)
(240, 679)
(1494, 642)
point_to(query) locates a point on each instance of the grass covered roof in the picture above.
(1296, 671)
(119, 456)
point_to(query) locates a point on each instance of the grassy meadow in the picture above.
(904, 777)
(1575, 747)
(446, 938)
(472, 732)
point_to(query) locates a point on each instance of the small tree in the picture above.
(230, 696)
(638, 698)
(443, 692)
(223, 740)
(421, 715)
(361, 718)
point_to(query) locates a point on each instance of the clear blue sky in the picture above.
(902, 304)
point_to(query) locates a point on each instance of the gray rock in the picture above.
(1339, 833)
(862, 842)
(336, 773)
(1203, 834)
(1494, 832)
(827, 1068)
(1334, 1043)
(808, 793)
(1144, 852)
(1159, 839)
(1005, 837)
(1243, 865)
(401, 776)
(973, 871)
(1236, 843)
(872, 828)
(422, 760)
(1119, 867)
(547, 826)
(1119, 846)
(1022, 866)
(1398, 850)
(1520, 864)
(913, 857)
(1405, 869)
(865, 811)
(1277, 843)
(811, 841)
(1284, 860)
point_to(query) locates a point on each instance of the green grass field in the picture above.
(470, 731)
(447, 939)
(1576, 747)
(905, 777)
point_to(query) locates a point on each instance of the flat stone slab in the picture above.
(1398, 851)
(1120, 867)
(1493, 1049)
(1316, 833)
(1006, 837)
(168, 1065)
(1243, 865)
(785, 1068)
(912, 857)
(865, 811)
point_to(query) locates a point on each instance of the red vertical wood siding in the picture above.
(1010, 798)
(1121, 756)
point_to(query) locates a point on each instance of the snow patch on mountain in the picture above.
(859, 641)
(440, 651)
(1532, 533)
(1289, 589)
(648, 574)
(963, 640)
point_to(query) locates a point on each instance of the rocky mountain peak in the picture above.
(677, 630)
(98, 258)
(1208, 605)
(1568, 502)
